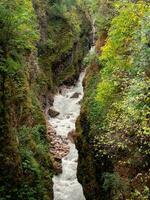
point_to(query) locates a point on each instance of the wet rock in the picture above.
(72, 136)
(67, 117)
(76, 95)
(59, 148)
(53, 113)
(80, 101)
(50, 98)
(50, 130)
(57, 166)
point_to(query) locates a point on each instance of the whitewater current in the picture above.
(66, 185)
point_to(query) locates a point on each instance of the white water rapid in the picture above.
(66, 185)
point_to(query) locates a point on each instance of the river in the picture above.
(66, 185)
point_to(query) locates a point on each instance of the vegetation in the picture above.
(42, 44)
(116, 103)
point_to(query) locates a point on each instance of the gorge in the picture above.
(74, 100)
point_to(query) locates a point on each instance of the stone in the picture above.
(59, 148)
(50, 99)
(57, 166)
(72, 136)
(76, 95)
(53, 113)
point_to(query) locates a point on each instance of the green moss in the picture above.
(36, 163)
(33, 63)
(116, 104)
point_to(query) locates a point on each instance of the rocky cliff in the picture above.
(44, 50)
(114, 127)
(90, 170)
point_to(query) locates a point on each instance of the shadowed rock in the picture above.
(72, 136)
(57, 166)
(59, 148)
(53, 113)
(76, 95)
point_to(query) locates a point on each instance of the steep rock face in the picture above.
(90, 169)
(26, 164)
(107, 173)
(86, 166)
(113, 127)
(60, 48)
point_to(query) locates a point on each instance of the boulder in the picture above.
(76, 95)
(72, 136)
(57, 166)
(53, 113)
(50, 98)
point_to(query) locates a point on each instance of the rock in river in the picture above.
(53, 113)
(76, 95)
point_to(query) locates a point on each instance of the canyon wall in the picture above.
(114, 127)
(44, 49)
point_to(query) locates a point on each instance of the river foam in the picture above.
(66, 185)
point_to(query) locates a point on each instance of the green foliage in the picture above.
(36, 163)
(138, 195)
(90, 58)
(103, 12)
(24, 82)
(118, 101)
(113, 181)
(67, 30)
(18, 33)
(124, 84)
(19, 28)
(67, 11)
(100, 12)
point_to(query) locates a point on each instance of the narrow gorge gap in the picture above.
(104, 153)
(67, 103)
(66, 109)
